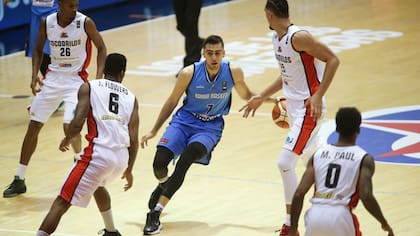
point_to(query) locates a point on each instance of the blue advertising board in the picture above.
(17, 12)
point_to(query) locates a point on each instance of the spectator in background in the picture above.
(40, 9)
(187, 13)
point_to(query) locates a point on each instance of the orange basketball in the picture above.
(279, 113)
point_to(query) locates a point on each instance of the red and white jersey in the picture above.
(111, 108)
(301, 73)
(70, 46)
(337, 175)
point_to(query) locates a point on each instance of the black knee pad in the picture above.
(160, 164)
(195, 151)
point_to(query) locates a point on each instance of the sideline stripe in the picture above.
(15, 96)
(33, 232)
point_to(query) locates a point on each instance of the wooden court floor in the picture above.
(240, 193)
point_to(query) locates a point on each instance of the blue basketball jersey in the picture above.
(200, 118)
(208, 100)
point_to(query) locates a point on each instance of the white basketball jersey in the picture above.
(301, 73)
(70, 46)
(111, 108)
(337, 174)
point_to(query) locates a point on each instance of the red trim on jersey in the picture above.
(76, 174)
(73, 179)
(310, 71)
(308, 127)
(83, 72)
(356, 224)
(352, 204)
(92, 127)
(355, 197)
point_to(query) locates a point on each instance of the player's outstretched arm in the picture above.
(133, 131)
(366, 193)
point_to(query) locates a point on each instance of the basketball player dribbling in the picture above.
(307, 68)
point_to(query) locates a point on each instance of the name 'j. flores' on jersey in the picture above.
(70, 45)
(206, 99)
(301, 73)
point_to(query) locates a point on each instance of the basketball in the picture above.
(279, 113)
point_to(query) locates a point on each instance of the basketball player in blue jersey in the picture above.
(340, 173)
(196, 127)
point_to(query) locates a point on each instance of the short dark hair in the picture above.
(114, 64)
(213, 39)
(280, 8)
(348, 120)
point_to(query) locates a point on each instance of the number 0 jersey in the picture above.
(70, 46)
(111, 108)
(337, 174)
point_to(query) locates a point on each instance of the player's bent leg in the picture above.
(103, 201)
(160, 168)
(58, 208)
(160, 164)
(30, 141)
(192, 152)
(286, 164)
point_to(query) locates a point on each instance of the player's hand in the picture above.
(251, 106)
(128, 176)
(315, 103)
(64, 145)
(36, 85)
(146, 137)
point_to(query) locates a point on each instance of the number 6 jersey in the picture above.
(111, 108)
(337, 174)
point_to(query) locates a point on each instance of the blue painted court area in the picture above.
(133, 11)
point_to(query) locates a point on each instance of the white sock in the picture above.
(77, 156)
(158, 207)
(41, 233)
(108, 220)
(287, 221)
(21, 171)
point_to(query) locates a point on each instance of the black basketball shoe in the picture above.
(153, 225)
(108, 233)
(15, 188)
